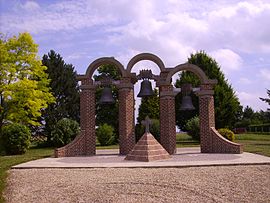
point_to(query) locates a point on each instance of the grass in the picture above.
(255, 143)
(6, 162)
(184, 140)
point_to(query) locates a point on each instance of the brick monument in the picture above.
(85, 142)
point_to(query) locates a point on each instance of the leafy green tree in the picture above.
(65, 89)
(108, 113)
(105, 134)
(227, 105)
(24, 84)
(15, 138)
(65, 131)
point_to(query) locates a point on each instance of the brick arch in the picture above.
(189, 67)
(145, 56)
(102, 61)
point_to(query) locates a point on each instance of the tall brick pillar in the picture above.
(126, 116)
(207, 117)
(211, 140)
(87, 113)
(85, 141)
(167, 118)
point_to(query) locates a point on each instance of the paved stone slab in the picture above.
(185, 157)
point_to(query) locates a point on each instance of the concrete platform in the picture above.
(185, 157)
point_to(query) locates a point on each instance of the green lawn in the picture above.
(255, 143)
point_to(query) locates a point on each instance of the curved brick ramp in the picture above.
(222, 145)
(74, 148)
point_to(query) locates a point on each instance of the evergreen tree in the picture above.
(267, 100)
(149, 107)
(266, 114)
(227, 105)
(64, 88)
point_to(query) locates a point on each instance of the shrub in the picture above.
(228, 134)
(193, 128)
(105, 135)
(154, 130)
(65, 131)
(15, 138)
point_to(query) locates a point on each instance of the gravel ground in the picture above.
(198, 184)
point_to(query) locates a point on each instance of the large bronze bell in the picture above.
(187, 103)
(106, 96)
(146, 89)
(186, 99)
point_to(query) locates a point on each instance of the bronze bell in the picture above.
(187, 104)
(106, 96)
(186, 99)
(146, 89)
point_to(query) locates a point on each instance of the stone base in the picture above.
(148, 149)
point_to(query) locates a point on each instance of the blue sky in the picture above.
(235, 32)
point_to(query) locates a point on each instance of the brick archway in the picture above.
(145, 56)
(84, 143)
(103, 61)
(211, 140)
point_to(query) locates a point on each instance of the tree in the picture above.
(149, 107)
(65, 89)
(24, 84)
(267, 100)
(227, 105)
(108, 113)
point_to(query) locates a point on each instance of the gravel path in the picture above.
(199, 184)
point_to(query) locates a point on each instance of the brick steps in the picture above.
(148, 149)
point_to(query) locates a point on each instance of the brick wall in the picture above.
(85, 142)
(167, 119)
(207, 120)
(126, 120)
(211, 140)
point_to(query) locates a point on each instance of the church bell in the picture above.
(146, 89)
(186, 98)
(106, 96)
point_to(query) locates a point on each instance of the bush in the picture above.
(105, 135)
(154, 130)
(15, 138)
(65, 131)
(228, 134)
(193, 128)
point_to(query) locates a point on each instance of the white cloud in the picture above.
(265, 74)
(30, 5)
(245, 81)
(229, 60)
(252, 99)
